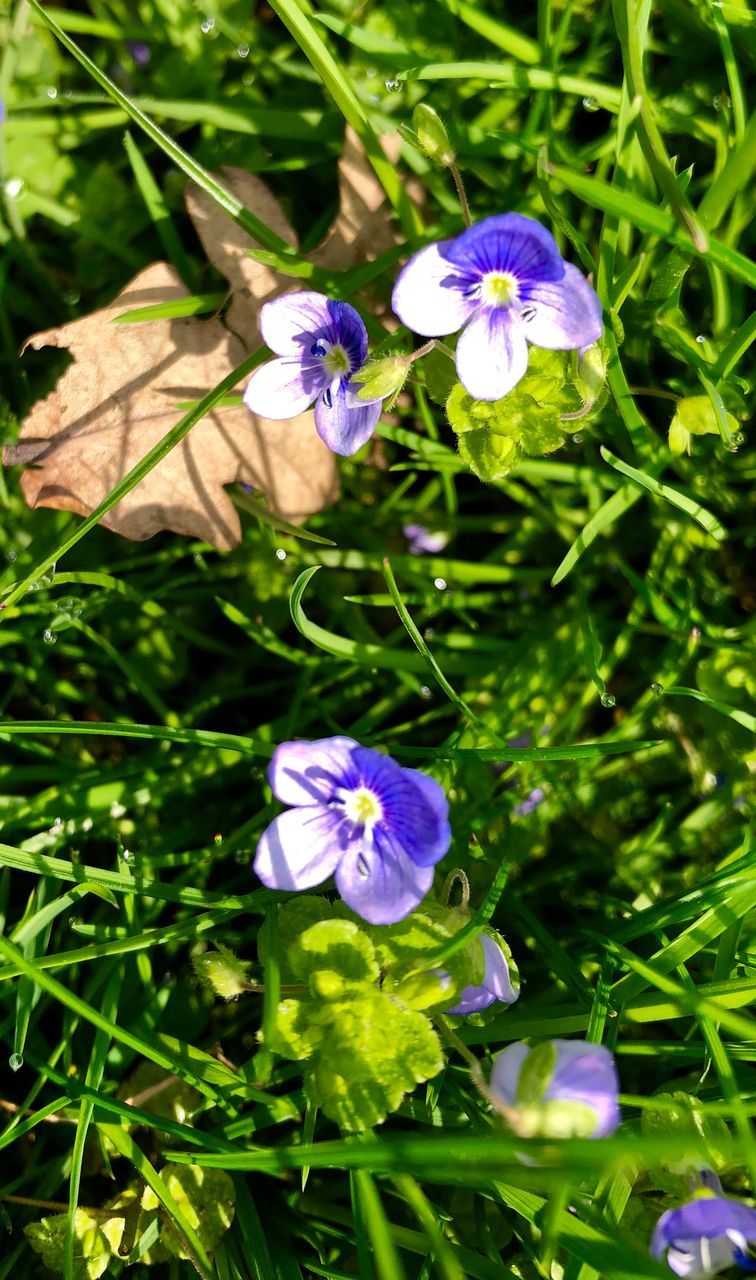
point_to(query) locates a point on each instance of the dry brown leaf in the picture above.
(118, 398)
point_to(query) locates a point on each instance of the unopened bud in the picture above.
(222, 972)
(382, 379)
(591, 373)
(432, 135)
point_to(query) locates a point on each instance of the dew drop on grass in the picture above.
(207, 25)
(737, 439)
(280, 554)
(52, 93)
(243, 51)
(49, 637)
(608, 700)
(11, 555)
(425, 692)
(700, 338)
(14, 187)
(590, 104)
(248, 79)
(127, 857)
(577, 439)
(392, 86)
(371, 73)
(16, 1061)
(439, 584)
(657, 688)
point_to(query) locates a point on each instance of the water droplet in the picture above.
(248, 79)
(428, 633)
(577, 439)
(590, 104)
(695, 634)
(700, 337)
(371, 73)
(14, 187)
(16, 1061)
(73, 923)
(127, 856)
(71, 297)
(439, 584)
(608, 700)
(218, 838)
(207, 25)
(11, 555)
(52, 93)
(280, 554)
(425, 691)
(57, 827)
(243, 51)
(392, 86)
(49, 636)
(657, 688)
(737, 439)
(241, 857)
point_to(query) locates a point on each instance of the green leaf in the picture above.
(695, 416)
(96, 1241)
(691, 508)
(207, 1200)
(335, 957)
(680, 1115)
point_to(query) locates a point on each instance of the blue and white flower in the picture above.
(320, 344)
(356, 814)
(500, 982)
(707, 1235)
(505, 284)
(557, 1089)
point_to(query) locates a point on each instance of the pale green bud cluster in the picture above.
(222, 972)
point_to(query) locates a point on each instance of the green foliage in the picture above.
(207, 1200)
(682, 1116)
(96, 1240)
(222, 972)
(494, 436)
(695, 416)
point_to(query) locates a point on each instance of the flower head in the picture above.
(501, 980)
(424, 541)
(320, 344)
(558, 1089)
(360, 816)
(505, 281)
(705, 1236)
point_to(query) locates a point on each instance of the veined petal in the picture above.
(290, 323)
(567, 312)
(507, 1066)
(348, 330)
(382, 887)
(307, 773)
(283, 388)
(430, 295)
(586, 1073)
(300, 848)
(492, 354)
(343, 428)
(508, 242)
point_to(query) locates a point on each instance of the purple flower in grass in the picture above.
(705, 1236)
(424, 542)
(320, 344)
(558, 1089)
(500, 981)
(507, 284)
(358, 815)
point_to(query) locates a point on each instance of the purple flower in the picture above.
(359, 815)
(530, 803)
(320, 344)
(706, 1236)
(423, 541)
(505, 281)
(558, 1089)
(139, 51)
(500, 980)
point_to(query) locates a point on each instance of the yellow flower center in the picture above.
(336, 362)
(362, 807)
(499, 288)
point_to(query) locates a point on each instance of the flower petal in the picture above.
(300, 848)
(586, 1073)
(415, 811)
(283, 388)
(567, 313)
(508, 242)
(307, 773)
(496, 985)
(507, 1066)
(492, 354)
(382, 886)
(430, 294)
(288, 324)
(347, 329)
(343, 428)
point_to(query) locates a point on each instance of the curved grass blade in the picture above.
(691, 508)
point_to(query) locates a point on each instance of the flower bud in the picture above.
(383, 378)
(222, 972)
(591, 372)
(501, 981)
(432, 135)
(557, 1089)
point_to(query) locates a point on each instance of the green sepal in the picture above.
(438, 375)
(536, 1073)
(556, 1120)
(382, 378)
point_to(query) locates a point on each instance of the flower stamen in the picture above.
(362, 807)
(499, 288)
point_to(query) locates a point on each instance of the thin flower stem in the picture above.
(462, 194)
(427, 347)
(476, 1073)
